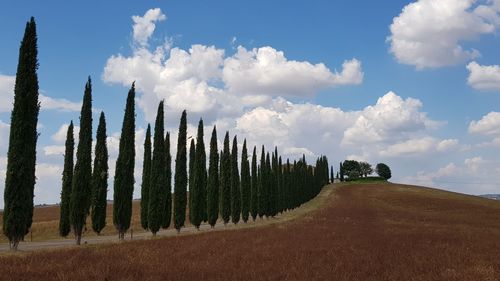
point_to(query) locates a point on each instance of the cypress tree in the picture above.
(81, 188)
(100, 178)
(245, 183)
(64, 224)
(254, 195)
(235, 184)
(191, 196)
(200, 180)
(156, 190)
(280, 185)
(341, 168)
(21, 156)
(146, 179)
(331, 174)
(167, 215)
(213, 181)
(268, 188)
(180, 183)
(225, 182)
(262, 184)
(124, 174)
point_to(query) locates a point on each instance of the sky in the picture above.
(413, 84)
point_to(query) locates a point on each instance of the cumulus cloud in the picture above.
(48, 103)
(60, 135)
(4, 139)
(6, 92)
(391, 118)
(205, 81)
(488, 125)
(474, 175)
(144, 26)
(483, 77)
(429, 34)
(267, 71)
(419, 147)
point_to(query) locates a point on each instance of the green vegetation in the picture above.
(167, 214)
(64, 222)
(100, 178)
(124, 175)
(235, 184)
(213, 181)
(225, 181)
(383, 171)
(180, 184)
(82, 186)
(146, 179)
(246, 183)
(157, 181)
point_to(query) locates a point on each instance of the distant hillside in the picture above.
(491, 196)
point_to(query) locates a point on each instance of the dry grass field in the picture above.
(358, 232)
(46, 223)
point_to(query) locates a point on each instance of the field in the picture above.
(46, 223)
(356, 232)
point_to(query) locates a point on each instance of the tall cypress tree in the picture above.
(167, 215)
(254, 195)
(280, 185)
(146, 179)
(225, 182)
(245, 183)
(268, 187)
(201, 176)
(64, 224)
(200, 180)
(262, 184)
(180, 184)
(81, 188)
(192, 191)
(21, 156)
(213, 181)
(124, 174)
(235, 184)
(156, 188)
(100, 178)
(331, 174)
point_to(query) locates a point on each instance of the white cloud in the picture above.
(60, 135)
(206, 82)
(474, 175)
(4, 139)
(267, 71)
(48, 103)
(144, 26)
(484, 77)
(391, 118)
(488, 125)
(6, 92)
(53, 150)
(429, 33)
(419, 147)
(48, 183)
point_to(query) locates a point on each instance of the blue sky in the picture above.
(414, 84)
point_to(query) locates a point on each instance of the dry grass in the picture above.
(46, 223)
(363, 232)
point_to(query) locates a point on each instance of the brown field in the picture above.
(46, 223)
(360, 232)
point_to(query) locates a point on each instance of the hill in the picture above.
(358, 232)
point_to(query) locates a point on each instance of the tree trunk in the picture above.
(78, 239)
(14, 244)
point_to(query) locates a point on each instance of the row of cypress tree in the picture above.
(260, 190)
(230, 189)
